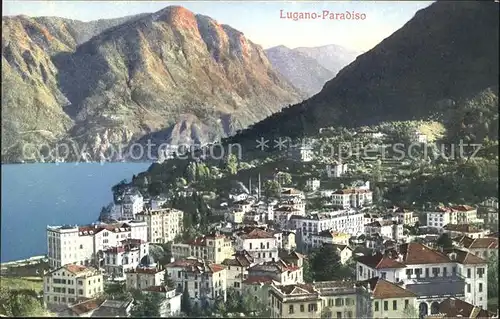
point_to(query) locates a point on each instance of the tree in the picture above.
(20, 303)
(307, 271)
(492, 276)
(186, 302)
(147, 305)
(444, 241)
(232, 164)
(272, 188)
(326, 265)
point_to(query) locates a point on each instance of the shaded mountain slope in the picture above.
(447, 51)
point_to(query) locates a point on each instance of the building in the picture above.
(313, 184)
(69, 283)
(158, 202)
(163, 225)
(456, 308)
(320, 300)
(132, 203)
(288, 240)
(486, 247)
(278, 270)
(344, 252)
(171, 305)
(237, 269)
(459, 230)
(235, 216)
(204, 282)
(391, 300)
(291, 193)
(146, 275)
(404, 216)
(343, 221)
(97, 307)
(432, 275)
(329, 237)
(353, 197)
(336, 170)
(80, 244)
(385, 228)
(117, 260)
(461, 214)
(260, 244)
(213, 247)
(302, 152)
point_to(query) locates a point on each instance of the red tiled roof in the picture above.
(416, 253)
(351, 191)
(87, 306)
(467, 258)
(302, 288)
(252, 280)
(257, 233)
(463, 208)
(379, 261)
(76, 269)
(383, 289)
(454, 308)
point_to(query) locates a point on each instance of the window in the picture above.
(302, 308)
(407, 303)
(444, 271)
(480, 287)
(409, 272)
(339, 315)
(468, 273)
(312, 307)
(383, 275)
(427, 272)
(454, 270)
(435, 271)
(250, 245)
(386, 305)
(80, 291)
(376, 305)
(480, 272)
(468, 287)
(290, 309)
(394, 305)
(338, 302)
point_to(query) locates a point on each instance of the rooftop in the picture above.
(383, 289)
(454, 308)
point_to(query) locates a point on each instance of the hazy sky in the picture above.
(259, 21)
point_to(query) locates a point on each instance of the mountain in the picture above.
(447, 51)
(172, 73)
(303, 71)
(332, 57)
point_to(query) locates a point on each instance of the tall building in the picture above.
(163, 224)
(80, 244)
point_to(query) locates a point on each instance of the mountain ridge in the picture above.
(135, 78)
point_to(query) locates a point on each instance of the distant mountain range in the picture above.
(446, 52)
(308, 69)
(170, 75)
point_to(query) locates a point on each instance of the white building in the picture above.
(260, 244)
(163, 224)
(432, 275)
(158, 202)
(354, 197)
(386, 228)
(237, 268)
(344, 221)
(69, 283)
(328, 237)
(443, 216)
(146, 275)
(80, 245)
(171, 304)
(117, 260)
(336, 170)
(313, 184)
(204, 282)
(132, 203)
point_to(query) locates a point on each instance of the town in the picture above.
(289, 245)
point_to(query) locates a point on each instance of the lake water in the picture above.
(37, 195)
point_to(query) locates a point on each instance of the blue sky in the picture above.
(259, 21)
